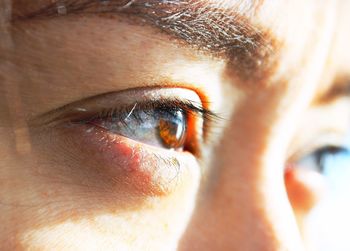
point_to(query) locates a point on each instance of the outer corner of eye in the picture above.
(305, 188)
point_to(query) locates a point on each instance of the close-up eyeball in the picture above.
(174, 125)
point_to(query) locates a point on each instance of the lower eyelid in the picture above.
(144, 169)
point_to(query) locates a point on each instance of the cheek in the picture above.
(127, 169)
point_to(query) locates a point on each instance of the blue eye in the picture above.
(320, 159)
(327, 222)
(335, 165)
(333, 162)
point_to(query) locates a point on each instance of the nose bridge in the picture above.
(255, 210)
(252, 205)
(246, 206)
(244, 211)
(253, 176)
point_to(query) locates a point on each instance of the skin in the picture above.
(62, 189)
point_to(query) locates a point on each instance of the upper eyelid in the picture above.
(186, 105)
(91, 105)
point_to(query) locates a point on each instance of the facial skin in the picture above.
(236, 185)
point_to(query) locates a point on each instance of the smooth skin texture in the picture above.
(62, 190)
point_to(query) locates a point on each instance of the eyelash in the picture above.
(188, 107)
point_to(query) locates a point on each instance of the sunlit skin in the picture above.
(70, 187)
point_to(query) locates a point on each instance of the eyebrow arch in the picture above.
(251, 51)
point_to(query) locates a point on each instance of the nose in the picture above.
(243, 204)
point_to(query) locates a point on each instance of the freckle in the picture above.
(45, 194)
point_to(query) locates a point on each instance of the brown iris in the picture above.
(172, 134)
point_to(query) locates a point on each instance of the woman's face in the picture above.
(173, 125)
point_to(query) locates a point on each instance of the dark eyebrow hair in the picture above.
(251, 51)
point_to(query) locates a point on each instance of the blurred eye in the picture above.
(325, 160)
(325, 169)
(334, 164)
(154, 124)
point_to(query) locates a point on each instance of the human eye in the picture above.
(156, 124)
(326, 159)
(332, 162)
(317, 182)
(320, 174)
(164, 123)
(150, 138)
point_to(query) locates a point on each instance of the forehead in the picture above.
(281, 19)
(226, 19)
(341, 55)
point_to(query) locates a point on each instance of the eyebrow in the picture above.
(251, 51)
(340, 88)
